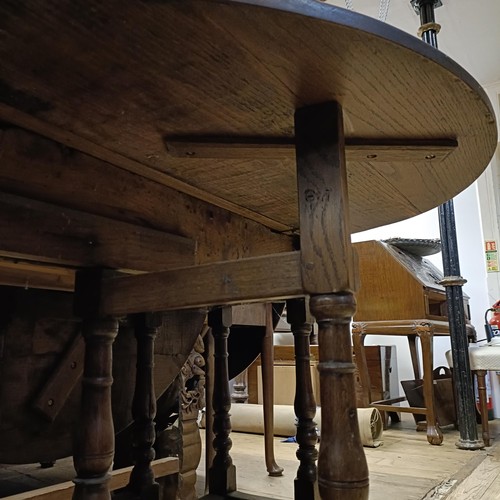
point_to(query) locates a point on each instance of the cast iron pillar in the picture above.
(453, 281)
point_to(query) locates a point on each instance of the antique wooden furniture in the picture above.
(42, 363)
(397, 284)
(187, 144)
(482, 359)
(400, 294)
(382, 369)
(119, 479)
(251, 320)
(284, 376)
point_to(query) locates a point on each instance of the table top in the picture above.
(128, 81)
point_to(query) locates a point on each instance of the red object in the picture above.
(495, 319)
(489, 398)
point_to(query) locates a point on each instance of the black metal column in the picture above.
(453, 281)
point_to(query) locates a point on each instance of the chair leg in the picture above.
(483, 405)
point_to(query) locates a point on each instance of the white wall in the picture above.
(488, 186)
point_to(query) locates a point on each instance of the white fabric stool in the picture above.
(482, 359)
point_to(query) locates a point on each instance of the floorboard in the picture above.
(405, 467)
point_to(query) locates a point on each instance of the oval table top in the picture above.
(129, 81)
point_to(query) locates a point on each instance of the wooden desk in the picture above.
(189, 140)
(400, 294)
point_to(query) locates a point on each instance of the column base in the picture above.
(465, 444)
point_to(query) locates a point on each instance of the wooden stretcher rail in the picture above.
(402, 409)
(28, 275)
(246, 280)
(119, 479)
(357, 149)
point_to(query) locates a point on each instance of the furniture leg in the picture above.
(483, 404)
(358, 343)
(222, 478)
(345, 473)
(95, 436)
(305, 486)
(327, 271)
(415, 361)
(267, 358)
(434, 434)
(209, 411)
(240, 389)
(142, 481)
(95, 439)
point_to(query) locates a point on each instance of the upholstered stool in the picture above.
(482, 359)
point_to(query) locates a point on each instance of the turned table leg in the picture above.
(222, 474)
(240, 388)
(327, 271)
(345, 476)
(142, 481)
(95, 438)
(305, 486)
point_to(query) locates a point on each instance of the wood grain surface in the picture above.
(120, 78)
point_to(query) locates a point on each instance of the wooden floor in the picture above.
(404, 468)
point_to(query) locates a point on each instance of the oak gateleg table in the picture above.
(264, 131)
